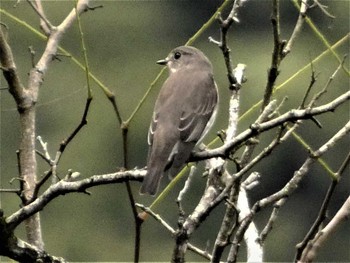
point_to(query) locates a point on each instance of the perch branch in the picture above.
(290, 116)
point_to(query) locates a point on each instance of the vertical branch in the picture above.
(28, 166)
(298, 27)
(276, 55)
(137, 220)
(25, 99)
(235, 78)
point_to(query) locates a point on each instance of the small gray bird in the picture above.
(184, 111)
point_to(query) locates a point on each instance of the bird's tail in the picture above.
(151, 182)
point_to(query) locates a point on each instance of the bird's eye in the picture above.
(177, 55)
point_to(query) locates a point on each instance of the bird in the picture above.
(184, 111)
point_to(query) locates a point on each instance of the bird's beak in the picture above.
(163, 61)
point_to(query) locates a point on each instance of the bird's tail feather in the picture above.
(151, 183)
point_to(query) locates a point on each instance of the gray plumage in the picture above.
(183, 113)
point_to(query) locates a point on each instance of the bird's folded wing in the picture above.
(194, 121)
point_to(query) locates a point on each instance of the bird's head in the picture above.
(184, 58)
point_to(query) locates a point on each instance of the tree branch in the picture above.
(290, 116)
(311, 250)
(289, 188)
(63, 187)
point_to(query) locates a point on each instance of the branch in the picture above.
(297, 29)
(301, 247)
(290, 116)
(311, 250)
(158, 218)
(9, 69)
(276, 54)
(63, 187)
(289, 188)
(216, 167)
(45, 24)
(254, 248)
(22, 251)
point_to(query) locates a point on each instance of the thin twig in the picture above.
(322, 213)
(16, 191)
(276, 54)
(323, 9)
(298, 27)
(341, 216)
(330, 80)
(45, 24)
(272, 219)
(170, 229)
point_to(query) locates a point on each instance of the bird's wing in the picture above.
(152, 128)
(197, 114)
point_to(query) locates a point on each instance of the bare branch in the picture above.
(301, 247)
(9, 69)
(272, 219)
(158, 218)
(324, 90)
(291, 186)
(323, 9)
(254, 248)
(45, 24)
(276, 54)
(297, 29)
(311, 250)
(290, 116)
(63, 187)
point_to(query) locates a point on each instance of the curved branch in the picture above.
(63, 187)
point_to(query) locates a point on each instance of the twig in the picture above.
(170, 229)
(322, 213)
(291, 186)
(224, 27)
(272, 219)
(311, 84)
(10, 73)
(64, 187)
(311, 251)
(323, 9)
(16, 191)
(63, 145)
(45, 24)
(276, 54)
(290, 116)
(324, 90)
(187, 184)
(46, 155)
(297, 29)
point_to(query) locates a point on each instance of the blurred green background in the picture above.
(124, 39)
